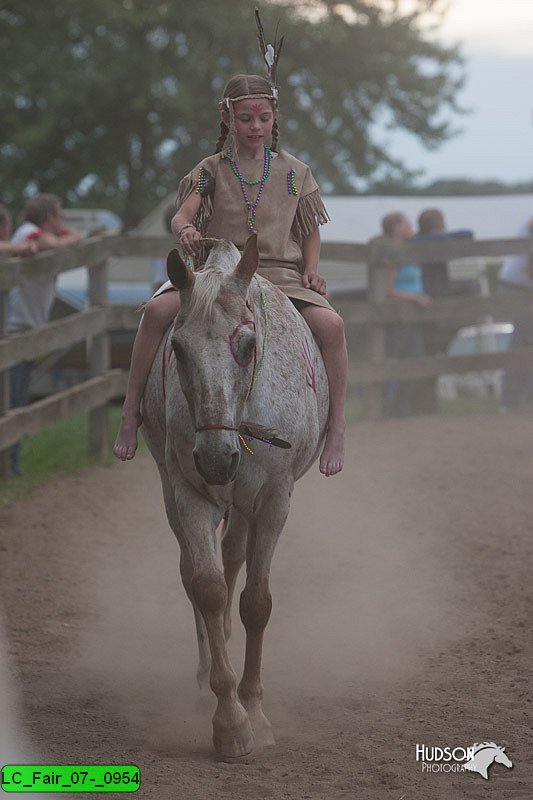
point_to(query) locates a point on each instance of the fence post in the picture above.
(99, 361)
(377, 277)
(4, 385)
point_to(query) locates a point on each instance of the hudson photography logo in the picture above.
(477, 758)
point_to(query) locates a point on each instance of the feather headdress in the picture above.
(270, 53)
(246, 87)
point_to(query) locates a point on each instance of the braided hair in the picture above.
(224, 130)
(241, 87)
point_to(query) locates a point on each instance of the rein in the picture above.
(215, 427)
(247, 430)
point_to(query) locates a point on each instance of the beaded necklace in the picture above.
(252, 207)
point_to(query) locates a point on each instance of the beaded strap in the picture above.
(201, 182)
(291, 185)
(264, 347)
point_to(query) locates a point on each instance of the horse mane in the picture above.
(222, 260)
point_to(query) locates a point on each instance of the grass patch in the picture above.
(59, 449)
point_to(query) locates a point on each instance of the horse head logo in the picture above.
(484, 755)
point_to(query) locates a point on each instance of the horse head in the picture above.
(214, 342)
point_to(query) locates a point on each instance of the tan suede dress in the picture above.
(290, 208)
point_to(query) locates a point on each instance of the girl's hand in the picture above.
(315, 282)
(189, 239)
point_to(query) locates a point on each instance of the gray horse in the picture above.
(234, 412)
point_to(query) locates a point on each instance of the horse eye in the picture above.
(242, 344)
(244, 349)
(248, 346)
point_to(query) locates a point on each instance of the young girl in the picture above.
(248, 186)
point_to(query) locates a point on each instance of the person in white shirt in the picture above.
(29, 304)
(7, 248)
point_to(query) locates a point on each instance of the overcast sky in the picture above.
(496, 38)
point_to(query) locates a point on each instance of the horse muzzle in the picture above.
(216, 456)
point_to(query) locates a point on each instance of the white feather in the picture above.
(269, 55)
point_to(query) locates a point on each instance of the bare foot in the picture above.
(126, 441)
(332, 458)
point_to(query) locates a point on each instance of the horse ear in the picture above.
(247, 266)
(180, 275)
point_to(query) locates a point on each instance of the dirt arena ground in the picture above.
(402, 616)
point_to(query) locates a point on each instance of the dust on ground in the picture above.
(402, 606)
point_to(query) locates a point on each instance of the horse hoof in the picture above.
(263, 734)
(235, 743)
(264, 737)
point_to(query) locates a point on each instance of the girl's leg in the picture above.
(158, 314)
(328, 327)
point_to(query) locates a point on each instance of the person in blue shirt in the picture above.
(403, 282)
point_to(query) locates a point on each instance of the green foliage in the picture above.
(59, 449)
(110, 102)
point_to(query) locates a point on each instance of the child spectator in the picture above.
(29, 304)
(7, 248)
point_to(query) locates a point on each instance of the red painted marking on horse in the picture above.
(310, 366)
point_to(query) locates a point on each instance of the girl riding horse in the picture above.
(249, 186)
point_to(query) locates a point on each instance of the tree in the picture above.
(108, 103)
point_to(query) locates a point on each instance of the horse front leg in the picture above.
(232, 732)
(256, 605)
(186, 572)
(233, 548)
(204, 653)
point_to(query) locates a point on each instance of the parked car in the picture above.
(92, 221)
(493, 337)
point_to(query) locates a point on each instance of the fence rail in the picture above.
(95, 324)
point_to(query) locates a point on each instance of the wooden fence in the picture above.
(373, 316)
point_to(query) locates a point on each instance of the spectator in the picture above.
(159, 265)
(437, 282)
(403, 282)
(516, 276)
(7, 248)
(30, 303)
